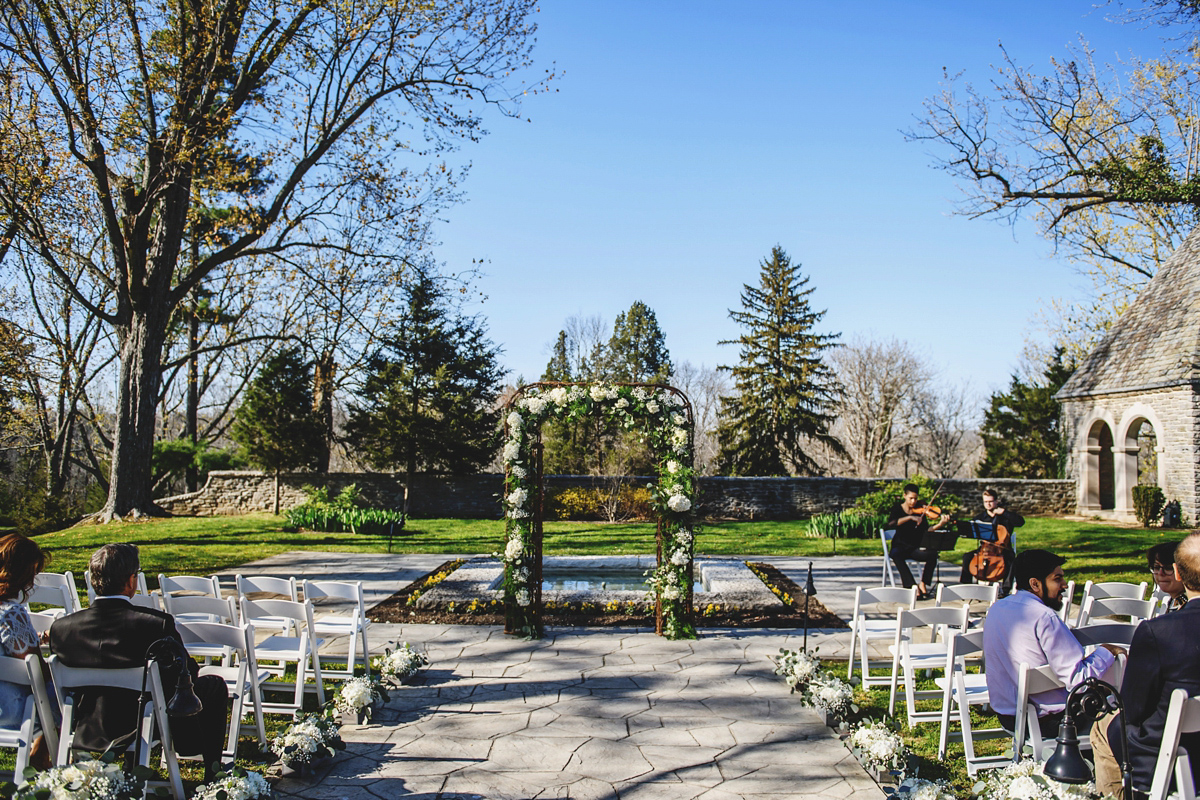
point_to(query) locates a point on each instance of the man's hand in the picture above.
(1115, 649)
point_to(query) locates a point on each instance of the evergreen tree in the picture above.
(1022, 430)
(559, 368)
(276, 425)
(637, 351)
(785, 392)
(428, 394)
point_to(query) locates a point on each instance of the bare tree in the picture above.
(946, 416)
(704, 387)
(881, 381)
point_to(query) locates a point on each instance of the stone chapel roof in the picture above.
(1156, 342)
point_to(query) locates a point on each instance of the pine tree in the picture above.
(428, 395)
(637, 351)
(785, 392)
(559, 368)
(1022, 430)
(275, 424)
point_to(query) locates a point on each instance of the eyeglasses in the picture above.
(1159, 569)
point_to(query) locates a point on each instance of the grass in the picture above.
(199, 546)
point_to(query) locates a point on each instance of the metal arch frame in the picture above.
(536, 451)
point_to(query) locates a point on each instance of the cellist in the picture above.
(995, 514)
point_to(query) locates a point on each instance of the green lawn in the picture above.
(189, 545)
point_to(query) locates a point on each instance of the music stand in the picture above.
(939, 541)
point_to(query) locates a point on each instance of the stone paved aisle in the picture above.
(591, 713)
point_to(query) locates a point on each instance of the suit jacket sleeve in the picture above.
(1142, 686)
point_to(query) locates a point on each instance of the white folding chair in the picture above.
(1068, 597)
(55, 589)
(889, 575)
(142, 597)
(908, 656)
(268, 587)
(240, 671)
(863, 629)
(352, 625)
(1094, 608)
(199, 608)
(301, 649)
(1183, 716)
(41, 621)
(153, 729)
(1031, 681)
(20, 671)
(986, 593)
(1106, 589)
(1098, 633)
(961, 691)
(188, 585)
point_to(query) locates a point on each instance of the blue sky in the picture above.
(684, 139)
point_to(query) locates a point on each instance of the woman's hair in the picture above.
(20, 560)
(1162, 553)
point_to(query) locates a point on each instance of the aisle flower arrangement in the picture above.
(96, 779)
(828, 693)
(310, 738)
(400, 664)
(797, 667)
(879, 749)
(236, 784)
(1025, 781)
(663, 415)
(357, 696)
(920, 789)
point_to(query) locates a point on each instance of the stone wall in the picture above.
(1172, 411)
(477, 496)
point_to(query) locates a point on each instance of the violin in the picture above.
(990, 563)
(930, 511)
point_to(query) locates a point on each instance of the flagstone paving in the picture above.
(591, 713)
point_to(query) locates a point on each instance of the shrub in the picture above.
(1148, 502)
(579, 503)
(342, 513)
(888, 493)
(849, 524)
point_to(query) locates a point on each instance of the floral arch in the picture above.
(665, 415)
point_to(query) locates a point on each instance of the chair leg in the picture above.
(366, 650)
(850, 660)
(895, 676)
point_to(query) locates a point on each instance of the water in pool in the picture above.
(593, 580)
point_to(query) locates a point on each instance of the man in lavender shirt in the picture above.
(1025, 628)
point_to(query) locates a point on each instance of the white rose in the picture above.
(640, 393)
(597, 392)
(576, 393)
(512, 450)
(673, 466)
(684, 537)
(1024, 788)
(517, 498)
(517, 471)
(678, 419)
(513, 549)
(678, 503)
(680, 558)
(679, 436)
(671, 593)
(514, 420)
(652, 407)
(524, 598)
(622, 403)
(559, 395)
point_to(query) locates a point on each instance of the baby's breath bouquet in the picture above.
(879, 749)
(359, 695)
(797, 667)
(1025, 781)
(237, 784)
(83, 780)
(921, 789)
(310, 737)
(830, 694)
(401, 663)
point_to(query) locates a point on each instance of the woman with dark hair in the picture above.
(1161, 560)
(20, 561)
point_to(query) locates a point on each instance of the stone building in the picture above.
(1131, 412)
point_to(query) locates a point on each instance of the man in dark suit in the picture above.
(1164, 656)
(113, 634)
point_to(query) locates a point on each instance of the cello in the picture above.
(990, 563)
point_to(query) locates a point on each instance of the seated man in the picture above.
(1164, 656)
(1024, 628)
(1161, 560)
(995, 514)
(910, 524)
(112, 634)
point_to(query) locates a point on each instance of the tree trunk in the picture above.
(276, 512)
(324, 370)
(141, 343)
(191, 474)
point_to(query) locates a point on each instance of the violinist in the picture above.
(999, 516)
(911, 518)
